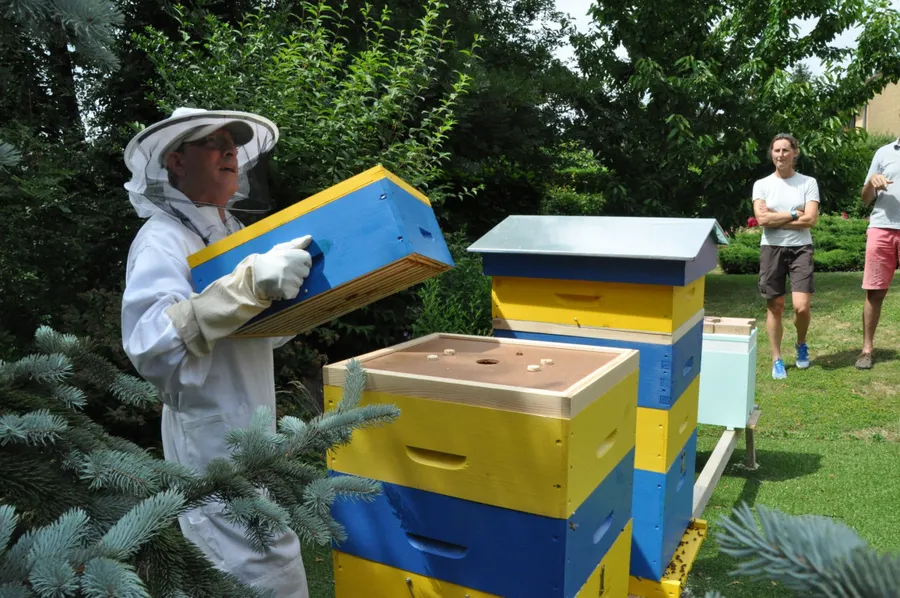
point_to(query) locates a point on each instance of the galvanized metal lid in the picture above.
(601, 236)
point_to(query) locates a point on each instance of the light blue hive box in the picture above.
(728, 376)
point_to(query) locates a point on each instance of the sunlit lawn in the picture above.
(827, 442)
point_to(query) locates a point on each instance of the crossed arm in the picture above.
(768, 218)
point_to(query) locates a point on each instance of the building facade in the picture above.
(882, 114)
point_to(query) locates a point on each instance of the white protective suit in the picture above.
(210, 385)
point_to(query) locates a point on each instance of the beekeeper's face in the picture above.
(206, 170)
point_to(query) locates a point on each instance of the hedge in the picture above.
(840, 246)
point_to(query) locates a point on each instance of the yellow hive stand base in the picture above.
(673, 581)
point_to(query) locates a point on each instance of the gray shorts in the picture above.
(777, 263)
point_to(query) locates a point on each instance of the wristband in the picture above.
(794, 214)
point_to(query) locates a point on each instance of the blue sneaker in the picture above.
(778, 372)
(802, 356)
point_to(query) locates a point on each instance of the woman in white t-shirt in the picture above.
(786, 205)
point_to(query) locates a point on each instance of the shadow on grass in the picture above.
(847, 359)
(713, 570)
(772, 466)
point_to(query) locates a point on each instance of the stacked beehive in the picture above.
(508, 473)
(633, 283)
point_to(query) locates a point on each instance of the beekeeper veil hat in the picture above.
(151, 190)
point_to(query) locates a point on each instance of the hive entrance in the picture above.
(487, 361)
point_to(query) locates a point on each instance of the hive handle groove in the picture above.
(437, 459)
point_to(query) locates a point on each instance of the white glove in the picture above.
(280, 272)
(233, 300)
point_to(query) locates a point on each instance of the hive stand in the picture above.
(373, 235)
(627, 283)
(508, 473)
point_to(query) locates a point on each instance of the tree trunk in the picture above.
(62, 82)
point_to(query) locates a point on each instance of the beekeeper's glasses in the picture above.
(217, 141)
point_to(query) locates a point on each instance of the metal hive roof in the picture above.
(601, 236)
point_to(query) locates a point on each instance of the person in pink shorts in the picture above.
(882, 240)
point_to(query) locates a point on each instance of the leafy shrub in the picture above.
(851, 167)
(840, 246)
(577, 186)
(739, 258)
(567, 202)
(458, 301)
(340, 109)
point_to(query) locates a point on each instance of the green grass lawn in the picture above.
(828, 442)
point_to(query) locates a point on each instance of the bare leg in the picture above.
(871, 315)
(801, 315)
(774, 312)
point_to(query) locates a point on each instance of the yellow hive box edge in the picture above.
(673, 580)
(300, 208)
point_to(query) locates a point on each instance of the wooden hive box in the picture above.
(373, 236)
(622, 274)
(728, 379)
(483, 444)
(665, 368)
(354, 577)
(669, 363)
(662, 512)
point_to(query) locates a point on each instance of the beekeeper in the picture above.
(195, 175)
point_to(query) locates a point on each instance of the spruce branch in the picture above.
(354, 385)
(134, 391)
(8, 520)
(172, 473)
(808, 553)
(15, 590)
(45, 369)
(53, 577)
(9, 155)
(262, 520)
(141, 524)
(58, 538)
(97, 512)
(71, 396)
(258, 444)
(14, 565)
(124, 472)
(35, 428)
(103, 577)
(49, 341)
(355, 487)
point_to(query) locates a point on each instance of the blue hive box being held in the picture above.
(373, 235)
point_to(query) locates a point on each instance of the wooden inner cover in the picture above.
(494, 362)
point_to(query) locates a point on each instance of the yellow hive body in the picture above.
(619, 306)
(661, 433)
(496, 433)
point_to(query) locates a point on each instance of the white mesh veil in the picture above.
(151, 192)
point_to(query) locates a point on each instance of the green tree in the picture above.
(681, 99)
(339, 112)
(89, 514)
(38, 73)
